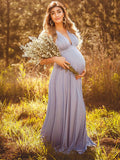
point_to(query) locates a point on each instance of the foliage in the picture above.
(102, 82)
(16, 85)
(23, 19)
(97, 20)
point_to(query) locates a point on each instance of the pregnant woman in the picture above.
(65, 123)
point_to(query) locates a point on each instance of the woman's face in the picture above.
(57, 15)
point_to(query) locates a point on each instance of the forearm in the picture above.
(58, 60)
(47, 61)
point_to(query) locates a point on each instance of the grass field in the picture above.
(20, 133)
(23, 106)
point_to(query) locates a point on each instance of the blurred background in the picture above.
(24, 88)
(99, 24)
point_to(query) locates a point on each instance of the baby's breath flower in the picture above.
(41, 48)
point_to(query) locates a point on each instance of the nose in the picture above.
(56, 14)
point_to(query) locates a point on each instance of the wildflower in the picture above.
(41, 48)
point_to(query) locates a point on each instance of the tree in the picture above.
(97, 20)
(8, 31)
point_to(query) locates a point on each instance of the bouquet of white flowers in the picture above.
(41, 48)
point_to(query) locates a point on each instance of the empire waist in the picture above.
(71, 47)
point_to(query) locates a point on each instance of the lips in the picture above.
(57, 19)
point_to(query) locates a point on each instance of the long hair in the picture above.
(69, 25)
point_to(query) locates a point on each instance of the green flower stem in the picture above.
(71, 69)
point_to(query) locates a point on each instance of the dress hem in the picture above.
(77, 150)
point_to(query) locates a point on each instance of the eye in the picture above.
(52, 13)
(59, 11)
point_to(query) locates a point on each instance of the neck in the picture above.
(59, 26)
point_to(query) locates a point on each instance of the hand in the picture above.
(81, 75)
(61, 62)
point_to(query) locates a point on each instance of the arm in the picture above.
(59, 60)
(47, 61)
(81, 75)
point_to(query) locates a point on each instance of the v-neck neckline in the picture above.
(66, 37)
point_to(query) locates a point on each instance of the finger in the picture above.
(66, 66)
(67, 62)
(78, 76)
(62, 65)
(83, 74)
(84, 71)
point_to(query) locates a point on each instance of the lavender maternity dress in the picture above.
(65, 123)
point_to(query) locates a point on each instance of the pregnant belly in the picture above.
(75, 58)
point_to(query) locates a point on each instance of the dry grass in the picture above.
(21, 124)
(16, 85)
(101, 85)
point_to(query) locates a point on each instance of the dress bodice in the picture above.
(70, 51)
(63, 43)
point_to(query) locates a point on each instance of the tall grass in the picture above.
(16, 85)
(106, 123)
(101, 85)
(22, 123)
(102, 81)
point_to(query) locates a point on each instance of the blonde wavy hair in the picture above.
(69, 25)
